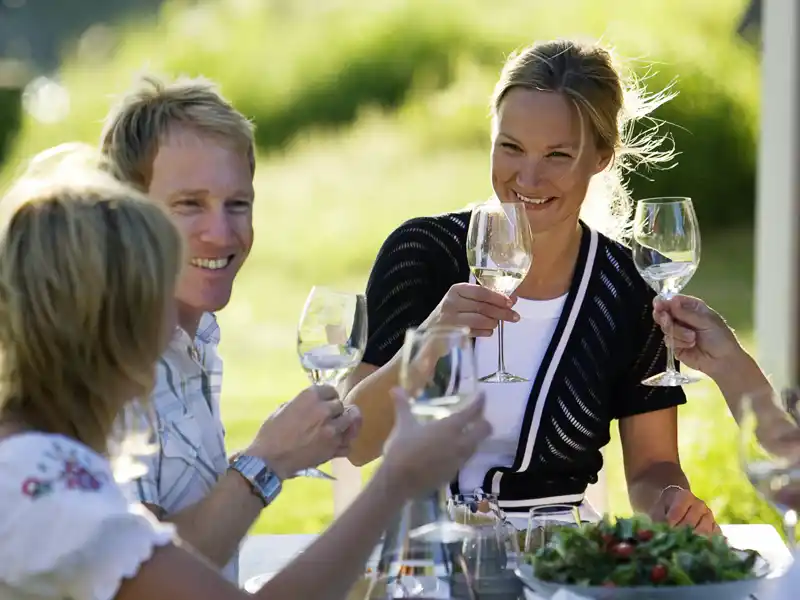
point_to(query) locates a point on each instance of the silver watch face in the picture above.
(265, 483)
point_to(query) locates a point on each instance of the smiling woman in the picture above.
(579, 327)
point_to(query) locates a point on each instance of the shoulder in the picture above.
(437, 242)
(617, 269)
(445, 230)
(61, 506)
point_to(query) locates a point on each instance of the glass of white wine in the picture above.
(134, 436)
(499, 253)
(332, 334)
(437, 371)
(769, 451)
(666, 252)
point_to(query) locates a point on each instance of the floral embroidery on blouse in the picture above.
(63, 469)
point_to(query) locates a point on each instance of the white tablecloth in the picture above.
(268, 553)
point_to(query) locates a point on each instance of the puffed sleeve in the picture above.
(67, 530)
(410, 276)
(648, 357)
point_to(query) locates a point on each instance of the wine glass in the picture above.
(134, 435)
(666, 252)
(437, 371)
(499, 253)
(769, 450)
(545, 521)
(332, 334)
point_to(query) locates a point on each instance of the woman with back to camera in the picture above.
(579, 327)
(87, 274)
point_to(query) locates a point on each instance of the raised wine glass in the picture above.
(332, 334)
(331, 338)
(769, 451)
(499, 253)
(437, 371)
(666, 252)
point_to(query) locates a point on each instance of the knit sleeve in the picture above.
(649, 358)
(415, 267)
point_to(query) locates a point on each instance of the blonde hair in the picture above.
(87, 274)
(610, 103)
(144, 117)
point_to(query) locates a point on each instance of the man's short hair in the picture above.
(145, 116)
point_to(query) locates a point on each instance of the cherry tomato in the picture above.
(658, 573)
(645, 535)
(622, 550)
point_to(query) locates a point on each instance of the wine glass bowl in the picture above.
(332, 334)
(437, 370)
(500, 254)
(666, 252)
(769, 451)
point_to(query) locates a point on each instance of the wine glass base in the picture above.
(502, 377)
(442, 532)
(674, 379)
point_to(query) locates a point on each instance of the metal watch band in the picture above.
(265, 483)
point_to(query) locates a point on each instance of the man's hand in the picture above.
(306, 432)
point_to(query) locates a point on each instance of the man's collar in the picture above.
(208, 331)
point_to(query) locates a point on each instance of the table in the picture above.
(269, 553)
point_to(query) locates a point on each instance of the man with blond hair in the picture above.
(187, 147)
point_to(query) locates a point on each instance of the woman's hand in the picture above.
(473, 306)
(678, 507)
(698, 334)
(420, 457)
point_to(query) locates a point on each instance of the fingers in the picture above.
(677, 335)
(469, 298)
(679, 507)
(690, 311)
(347, 421)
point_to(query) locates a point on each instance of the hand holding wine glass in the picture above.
(499, 252)
(666, 252)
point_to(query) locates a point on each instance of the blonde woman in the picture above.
(579, 327)
(87, 275)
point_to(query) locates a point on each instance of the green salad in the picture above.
(638, 552)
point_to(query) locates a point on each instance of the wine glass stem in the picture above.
(501, 359)
(790, 527)
(670, 351)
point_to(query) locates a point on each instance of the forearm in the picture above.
(645, 489)
(330, 566)
(742, 376)
(372, 396)
(216, 525)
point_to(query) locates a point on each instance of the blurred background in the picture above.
(373, 111)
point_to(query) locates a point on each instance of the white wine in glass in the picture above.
(332, 334)
(666, 252)
(499, 253)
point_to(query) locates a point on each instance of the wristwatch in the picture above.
(265, 483)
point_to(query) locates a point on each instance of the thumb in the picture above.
(402, 408)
